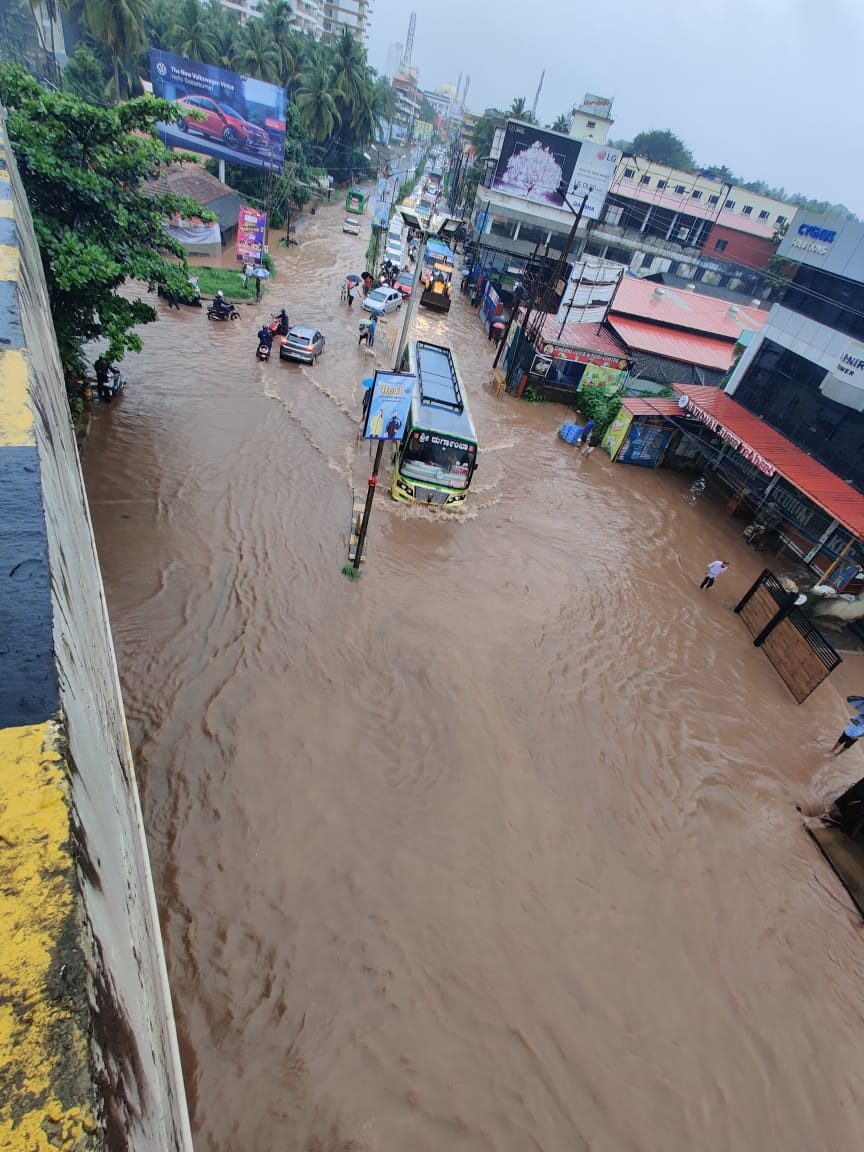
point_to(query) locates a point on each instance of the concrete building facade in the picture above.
(804, 372)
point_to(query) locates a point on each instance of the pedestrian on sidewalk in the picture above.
(713, 570)
(852, 733)
(353, 292)
(373, 324)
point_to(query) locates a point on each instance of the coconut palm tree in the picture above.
(192, 35)
(278, 19)
(562, 123)
(119, 26)
(314, 99)
(350, 75)
(257, 54)
(225, 28)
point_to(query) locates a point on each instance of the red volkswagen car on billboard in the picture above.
(221, 122)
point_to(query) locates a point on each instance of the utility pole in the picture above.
(400, 351)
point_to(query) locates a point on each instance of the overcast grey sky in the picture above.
(772, 88)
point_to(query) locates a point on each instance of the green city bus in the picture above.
(355, 200)
(437, 456)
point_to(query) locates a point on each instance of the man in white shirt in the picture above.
(713, 571)
(853, 732)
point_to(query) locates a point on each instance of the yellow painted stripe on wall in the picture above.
(9, 261)
(16, 415)
(44, 1050)
(6, 210)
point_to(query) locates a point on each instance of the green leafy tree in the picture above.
(315, 102)
(119, 26)
(562, 123)
(484, 132)
(278, 19)
(192, 33)
(258, 55)
(82, 169)
(85, 77)
(519, 110)
(664, 147)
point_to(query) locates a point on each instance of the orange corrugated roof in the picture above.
(838, 498)
(645, 300)
(590, 337)
(645, 406)
(685, 347)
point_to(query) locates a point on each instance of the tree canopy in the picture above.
(82, 169)
(664, 147)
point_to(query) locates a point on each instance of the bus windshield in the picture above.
(439, 459)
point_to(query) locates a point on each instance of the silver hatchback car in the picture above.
(383, 300)
(302, 343)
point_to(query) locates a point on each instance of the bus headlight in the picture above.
(407, 488)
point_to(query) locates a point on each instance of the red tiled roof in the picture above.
(645, 300)
(645, 406)
(838, 498)
(186, 180)
(590, 337)
(687, 348)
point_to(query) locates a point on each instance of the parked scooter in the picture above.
(108, 381)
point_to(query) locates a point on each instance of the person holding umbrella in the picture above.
(259, 274)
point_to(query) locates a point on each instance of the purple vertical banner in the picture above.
(251, 228)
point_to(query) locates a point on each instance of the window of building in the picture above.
(629, 173)
(721, 245)
(501, 226)
(713, 199)
(532, 235)
(645, 180)
(680, 189)
(590, 123)
(730, 204)
(647, 262)
(696, 195)
(661, 183)
(747, 210)
(763, 215)
(613, 213)
(827, 299)
(781, 220)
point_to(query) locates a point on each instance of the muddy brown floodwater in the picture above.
(496, 848)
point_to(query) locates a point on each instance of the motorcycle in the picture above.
(226, 311)
(264, 349)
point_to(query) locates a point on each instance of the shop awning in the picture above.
(771, 452)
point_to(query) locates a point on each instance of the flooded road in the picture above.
(496, 848)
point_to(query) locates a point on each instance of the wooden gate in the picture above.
(794, 645)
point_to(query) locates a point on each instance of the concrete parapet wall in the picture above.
(88, 1050)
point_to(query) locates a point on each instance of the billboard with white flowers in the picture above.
(543, 167)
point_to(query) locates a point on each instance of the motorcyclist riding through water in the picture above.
(220, 304)
(282, 323)
(265, 336)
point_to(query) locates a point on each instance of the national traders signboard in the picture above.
(232, 117)
(545, 167)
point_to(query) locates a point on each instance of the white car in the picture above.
(383, 300)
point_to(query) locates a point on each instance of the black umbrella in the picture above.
(352, 279)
